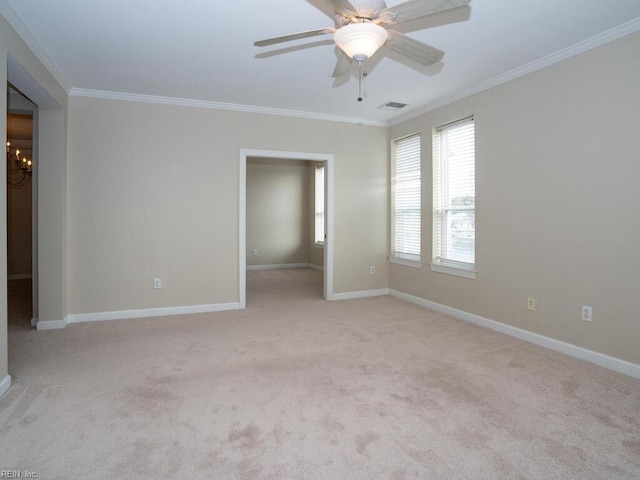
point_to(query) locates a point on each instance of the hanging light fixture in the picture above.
(19, 168)
(360, 40)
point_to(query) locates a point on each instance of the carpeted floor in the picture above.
(294, 387)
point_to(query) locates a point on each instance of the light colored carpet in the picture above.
(294, 387)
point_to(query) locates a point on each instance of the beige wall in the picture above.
(153, 192)
(278, 213)
(52, 141)
(557, 202)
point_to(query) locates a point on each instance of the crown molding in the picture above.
(556, 57)
(186, 102)
(21, 29)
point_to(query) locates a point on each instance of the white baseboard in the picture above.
(611, 363)
(278, 265)
(51, 324)
(5, 384)
(316, 267)
(133, 314)
(34, 321)
(20, 276)
(362, 294)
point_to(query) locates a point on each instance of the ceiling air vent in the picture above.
(392, 106)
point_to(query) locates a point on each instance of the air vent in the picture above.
(392, 106)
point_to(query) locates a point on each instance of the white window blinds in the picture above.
(454, 195)
(319, 204)
(406, 186)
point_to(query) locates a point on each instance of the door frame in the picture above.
(242, 210)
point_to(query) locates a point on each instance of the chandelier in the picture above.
(19, 168)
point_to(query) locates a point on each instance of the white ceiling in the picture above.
(203, 50)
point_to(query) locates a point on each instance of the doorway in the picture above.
(21, 192)
(327, 160)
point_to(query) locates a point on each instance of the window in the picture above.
(454, 198)
(406, 212)
(319, 205)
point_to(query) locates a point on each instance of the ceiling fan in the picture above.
(360, 30)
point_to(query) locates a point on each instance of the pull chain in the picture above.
(361, 75)
(360, 81)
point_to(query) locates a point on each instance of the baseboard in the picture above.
(20, 276)
(133, 314)
(51, 324)
(5, 384)
(362, 294)
(611, 363)
(316, 267)
(278, 265)
(34, 322)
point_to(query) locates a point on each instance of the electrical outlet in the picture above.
(372, 270)
(157, 283)
(586, 313)
(531, 303)
(254, 252)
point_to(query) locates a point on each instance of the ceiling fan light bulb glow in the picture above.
(360, 40)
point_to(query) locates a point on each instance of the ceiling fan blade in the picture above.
(294, 36)
(344, 12)
(340, 6)
(413, 49)
(343, 66)
(416, 9)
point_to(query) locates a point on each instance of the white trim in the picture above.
(187, 102)
(20, 276)
(134, 314)
(316, 267)
(278, 265)
(451, 270)
(242, 229)
(611, 363)
(150, 312)
(361, 294)
(242, 214)
(5, 384)
(406, 262)
(556, 57)
(21, 29)
(34, 321)
(51, 324)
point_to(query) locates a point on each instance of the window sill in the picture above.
(406, 262)
(454, 270)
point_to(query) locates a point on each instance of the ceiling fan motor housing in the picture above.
(368, 8)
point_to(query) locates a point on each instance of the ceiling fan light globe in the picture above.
(360, 40)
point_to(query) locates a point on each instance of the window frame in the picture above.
(442, 208)
(409, 259)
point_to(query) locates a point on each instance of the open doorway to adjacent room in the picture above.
(285, 229)
(21, 189)
(286, 208)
